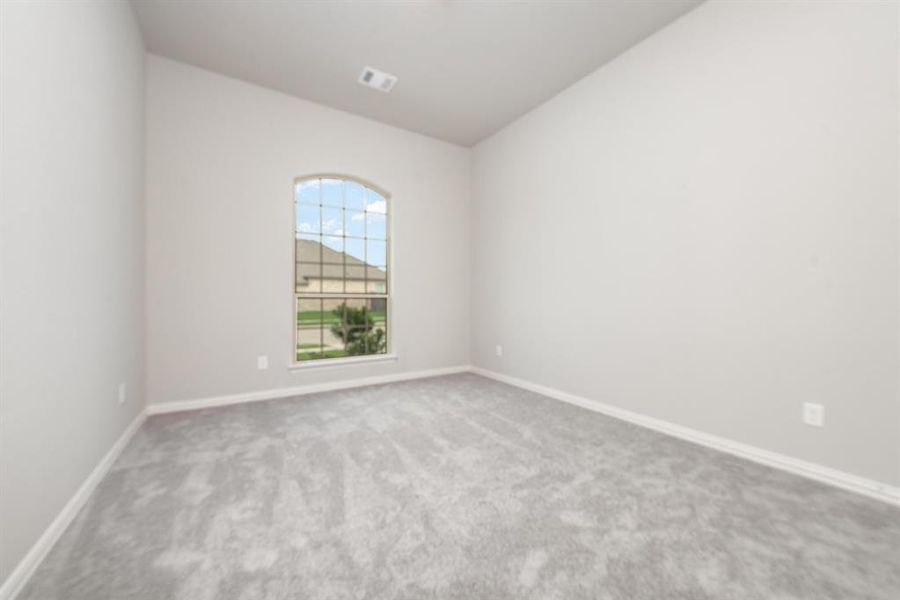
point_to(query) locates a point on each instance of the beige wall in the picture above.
(222, 156)
(705, 231)
(71, 267)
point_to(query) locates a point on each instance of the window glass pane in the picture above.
(355, 249)
(376, 342)
(308, 277)
(354, 329)
(309, 248)
(332, 271)
(354, 196)
(378, 310)
(330, 306)
(331, 314)
(333, 279)
(355, 276)
(333, 192)
(307, 219)
(308, 311)
(354, 319)
(376, 253)
(376, 226)
(376, 287)
(307, 192)
(334, 328)
(333, 251)
(332, 220)
(355, 225)
(375, 202)
(309, 329)
(355, 343)
(377, 282)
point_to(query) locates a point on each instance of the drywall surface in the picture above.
(71, 284)
(222, 156)
(705, 231)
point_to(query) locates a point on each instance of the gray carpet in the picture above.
(456, 487)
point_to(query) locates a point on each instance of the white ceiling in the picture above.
(466, 68)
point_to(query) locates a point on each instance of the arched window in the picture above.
(341, 285)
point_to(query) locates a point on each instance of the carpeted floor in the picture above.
(456, 487)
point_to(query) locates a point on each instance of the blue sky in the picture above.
(340, 214)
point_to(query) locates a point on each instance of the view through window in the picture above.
(341, 269)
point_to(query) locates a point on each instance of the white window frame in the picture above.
(390, 353)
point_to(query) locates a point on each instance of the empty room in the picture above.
(449, 299)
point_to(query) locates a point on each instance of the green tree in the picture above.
(356, 329)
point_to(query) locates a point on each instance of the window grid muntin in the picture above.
(320, 234)
(325, 320)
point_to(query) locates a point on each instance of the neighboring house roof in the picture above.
(332, 264)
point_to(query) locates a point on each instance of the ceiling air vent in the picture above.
(379, 80)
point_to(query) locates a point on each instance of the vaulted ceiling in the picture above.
(466, 68)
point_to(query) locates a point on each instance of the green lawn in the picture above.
(330, 353)
(314, 317)
(326, 354)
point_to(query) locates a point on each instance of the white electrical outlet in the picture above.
(262, 363)
(813, 414)
(123, 393)
(499, 350)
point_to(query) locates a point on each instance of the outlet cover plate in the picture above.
(813, 414)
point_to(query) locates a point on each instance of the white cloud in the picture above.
(379, 206)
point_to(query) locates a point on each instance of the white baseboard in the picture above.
(27, 566)
(822, 474)
(313, 388)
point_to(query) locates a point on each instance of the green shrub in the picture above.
(355, 327)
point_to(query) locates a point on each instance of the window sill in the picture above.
(340, 362)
